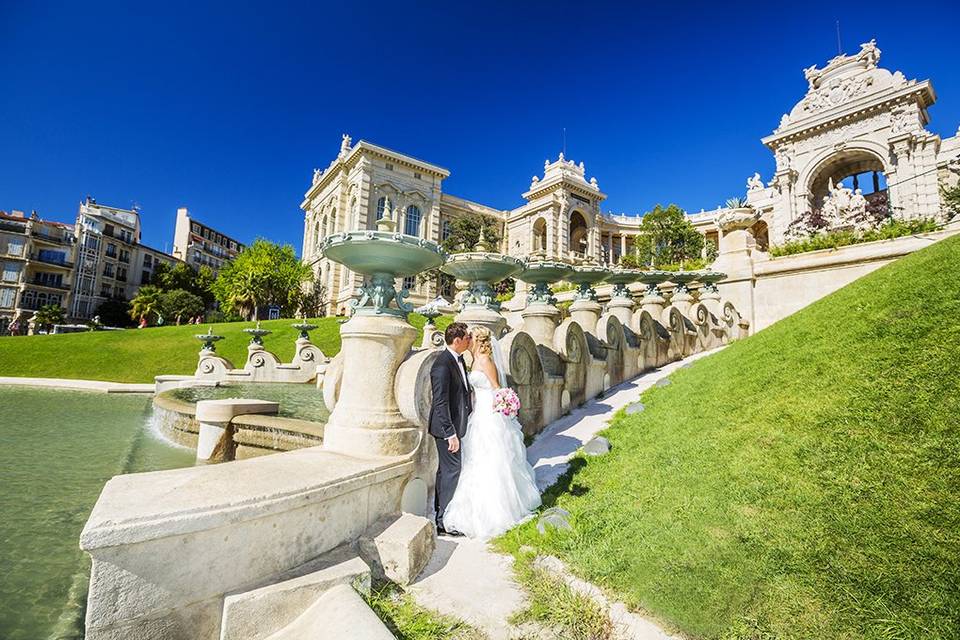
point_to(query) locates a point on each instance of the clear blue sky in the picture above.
(227, 108)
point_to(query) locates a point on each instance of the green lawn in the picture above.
(803, 483)
(137, 355)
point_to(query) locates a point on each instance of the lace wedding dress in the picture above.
(497, 488)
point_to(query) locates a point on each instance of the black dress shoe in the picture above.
(452, 533)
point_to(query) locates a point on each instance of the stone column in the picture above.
(736, 260)
(652, 302)
(681, 299)
(366, 420)
(610, 248)
(540, 321)
(623, 244)
(586, 313)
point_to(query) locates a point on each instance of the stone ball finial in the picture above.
(593, 181)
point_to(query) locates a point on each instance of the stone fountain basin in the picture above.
(624, 276)
(683, 277)
(588, 275)
(711, 277)
(545, 272)
(372, 252)
(481, 266)
(655, 277)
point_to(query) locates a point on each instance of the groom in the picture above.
(449, 411)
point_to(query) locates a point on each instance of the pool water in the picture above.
(57, 450)
(301, 401)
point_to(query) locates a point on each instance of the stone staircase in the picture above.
(322, 600)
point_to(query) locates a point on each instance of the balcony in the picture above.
(62, 286)
(43, 237)
(13, 227)
(125, 259)
(35, 306)
(47, 260)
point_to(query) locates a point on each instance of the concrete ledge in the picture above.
(256, 614)
(339, 613)
(225, 410)
(99, 386)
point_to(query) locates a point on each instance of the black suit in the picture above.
(452, 404)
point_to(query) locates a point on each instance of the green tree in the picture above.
(148, 302)
(667, 237)
(466, 232)
(181, 304)
(183, 276)
(47, 316)
(951, 198)
(262, 274)
(313, 301)
(114, 312)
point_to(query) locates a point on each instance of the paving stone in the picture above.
(663, 382)
(634, 408)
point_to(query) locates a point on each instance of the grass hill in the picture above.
(803, 483)
(137, 355)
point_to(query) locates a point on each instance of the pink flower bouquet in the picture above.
(506, 402)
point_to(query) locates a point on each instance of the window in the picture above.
(118, 292)
(147, 260)
(417, 175)
(121, 274)
(91, 242)
(49, 279)
(145, 277)
(111, 251)
(15, 247)
(411, 225)
(382, 205)
(389, 167)
(195, 228)
(409, 282)
(108, 269)
(11, 272)
(108, 230)
(124, 256)
(56, 257)
(7, 297)
(105, 290)
(445, 230)
(29, 299)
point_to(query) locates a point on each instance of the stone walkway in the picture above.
(79, 385)
(467, 580)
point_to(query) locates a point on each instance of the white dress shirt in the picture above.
(463, 372)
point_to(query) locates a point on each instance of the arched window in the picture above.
(382, 205)
(411, 225)
(29, 299)
(353, 214)
(323, 226)
(333, 222)
(578, 234)
(540, 235)
(316, 234)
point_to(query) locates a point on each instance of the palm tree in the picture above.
(147, 301)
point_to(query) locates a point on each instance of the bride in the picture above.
(497, 488)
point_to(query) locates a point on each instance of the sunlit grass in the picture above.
(803, 483)
(137, 355)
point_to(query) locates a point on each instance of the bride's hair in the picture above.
(481, 336)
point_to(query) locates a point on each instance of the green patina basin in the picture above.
(378, 252)
(655, 277)
(683, 277)
(545, 272)
(710, 277)
(481, 266)
(588, 274)
(624, 276)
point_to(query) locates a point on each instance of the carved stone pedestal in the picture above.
(540, 322)
(366, 420)
(586, 313)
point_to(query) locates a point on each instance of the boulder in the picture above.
(397, 548)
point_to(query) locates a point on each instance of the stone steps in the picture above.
(338, 613)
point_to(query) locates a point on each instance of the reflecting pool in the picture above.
(302, 401)
(57, 450)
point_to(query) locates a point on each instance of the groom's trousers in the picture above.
(448, 474)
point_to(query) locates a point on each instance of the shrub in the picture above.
(835, 239)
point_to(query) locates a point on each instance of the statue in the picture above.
(857, 214)
(869, 53)
(754, 183)
(345, 145)
(317, 173)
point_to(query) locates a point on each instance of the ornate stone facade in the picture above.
(855, 119)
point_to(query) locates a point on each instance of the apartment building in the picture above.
(198, 244)
(37, 259)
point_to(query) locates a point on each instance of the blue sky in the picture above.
(227, 108)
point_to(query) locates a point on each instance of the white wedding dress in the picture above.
(497, 488)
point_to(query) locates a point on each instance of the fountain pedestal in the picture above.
(366, 420)
(481, 270)
(585, 309)
(541, 316)
(681, 298)
(540, 322)
(621, 303)
(586, 313)
(653, 302)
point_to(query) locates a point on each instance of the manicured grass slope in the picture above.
(137, 355)
(802, 483)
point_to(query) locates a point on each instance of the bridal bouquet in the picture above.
(506, 402)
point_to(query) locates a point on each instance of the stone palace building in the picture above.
(858, 125)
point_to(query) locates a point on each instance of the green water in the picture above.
(57, 449)
(302, 401)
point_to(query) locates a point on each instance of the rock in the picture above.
(634, 407)
(397, 548)
(554, 518)
(597, 447)
(663, 382)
